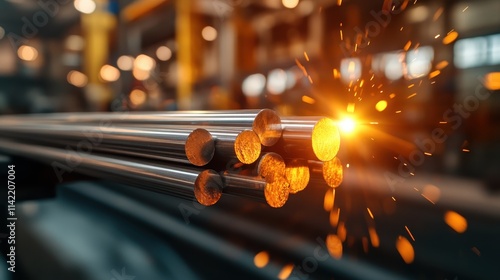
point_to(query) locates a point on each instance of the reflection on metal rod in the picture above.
(265, 123)
(310, 137)
(205, 185)
(196, 147)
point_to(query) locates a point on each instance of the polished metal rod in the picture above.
(194, 146)
(265, 122)
(275, 193)
(332, 171)
(310, 137)
(205, 185)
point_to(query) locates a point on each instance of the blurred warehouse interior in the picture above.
(298, 57)
(393, 71)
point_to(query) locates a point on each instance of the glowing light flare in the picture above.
(85, 6)
(370, 213)
(441, 65)
(342, 231)
(109, 73)
(434, 74)
(409, 233)
(253, 85)
(350, 69)
(286, 271)
(431, 193)
(74, 43)
(308, 99)
(329, 200)
(306, 56)
(351, 107)
(405, 249)
(137, 97)
(76, 78)
(125, 62)
(144, 63)
(27, 53)
(347, 125)
(334, 246)
(334, 217)
(141, 75)
(450, 37)
(381, 105)
(261, 259)
(407, 46)
(374, 239)
(290, 4)
(456, 221)
(492, 81)
(209, 33)
(276, 81)
(163, 53)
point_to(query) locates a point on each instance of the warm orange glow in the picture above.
(286, 271)
(450, 38)
(76, 78)
(431, 193)
(405, 249)
(137, 97)
(441, 65)
(144, 62)
(109, 73)
(325, 139)
(456, 221)
(125, 62)
(370, 213)
(381, 105)
(347, 125)
(290, 4)
(334, 246)
(434, 74)
(334, 217)
(140, 74)
(297, 174)
(163, 53)
(261, 259)
(333, 172)
(342, 231)
(407, 46)
(374, 237)
(308, 100)
(209, 33)
(409, 233)
(351, 107)
(492, 81)
(27, 53)
(329, 200)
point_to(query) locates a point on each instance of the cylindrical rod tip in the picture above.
(200, 147)
(247, 147)
(325, 139)
(208, 187)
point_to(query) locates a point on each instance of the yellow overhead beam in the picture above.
(140, 8)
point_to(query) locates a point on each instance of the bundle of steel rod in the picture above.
(200, 154)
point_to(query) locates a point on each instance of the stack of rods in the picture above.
(249, 153)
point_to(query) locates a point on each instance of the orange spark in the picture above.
(409, 232)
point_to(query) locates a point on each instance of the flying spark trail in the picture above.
(409, 233)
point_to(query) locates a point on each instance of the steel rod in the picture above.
(275, 193)
(265, 122)
(310, 137)
(205, 185)
(196, 146)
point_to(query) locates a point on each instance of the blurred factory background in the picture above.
(396, 69)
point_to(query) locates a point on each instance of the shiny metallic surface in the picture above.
(310, 137)
(162, 178)
(196, 146)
